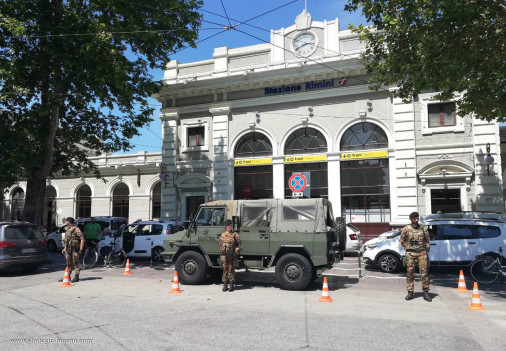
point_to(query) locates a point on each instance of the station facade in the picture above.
(242, 124)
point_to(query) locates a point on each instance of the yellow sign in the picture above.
(359, 155)
(253, 162)
(296, 159)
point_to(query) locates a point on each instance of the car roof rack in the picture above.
(493, 216)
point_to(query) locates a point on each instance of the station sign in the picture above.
(361, 155)
(253, 162)
(300, 159)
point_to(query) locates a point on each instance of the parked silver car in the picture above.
(22, 244)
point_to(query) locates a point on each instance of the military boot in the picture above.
(225, 287)
(75, 279)
(410, 295)
(426, 296)
(232, 287)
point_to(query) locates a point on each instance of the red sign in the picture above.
(297, 182)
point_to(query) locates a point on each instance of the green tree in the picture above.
(447, 46)
(74, 77)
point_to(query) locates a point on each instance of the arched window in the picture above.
(253, 144)
(120, 200)
(18, 203)
(49, 219)
(364, 136)
(156, 201)
(305, 141)
(83, 202)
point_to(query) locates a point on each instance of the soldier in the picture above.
(415, 239)
(230, 247)
(72, 247)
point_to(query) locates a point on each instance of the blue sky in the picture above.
(150, 139)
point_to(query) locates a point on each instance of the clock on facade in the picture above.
(304, 44)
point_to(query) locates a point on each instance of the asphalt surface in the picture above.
(107, 310)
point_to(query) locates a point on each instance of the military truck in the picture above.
(299, 237)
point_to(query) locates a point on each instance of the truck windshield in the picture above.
(210, 216)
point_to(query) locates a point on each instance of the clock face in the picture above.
(304, 44)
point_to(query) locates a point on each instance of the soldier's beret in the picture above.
(414, 214)
(228, 222)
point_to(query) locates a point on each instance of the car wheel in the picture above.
(388, 263)
(191, 268)
(29, 268)
(51, 246)
(294, 272)
(157, 256)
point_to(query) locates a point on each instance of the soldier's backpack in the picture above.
(227, 244)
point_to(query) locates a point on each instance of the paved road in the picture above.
(110, 311)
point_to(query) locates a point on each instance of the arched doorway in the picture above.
(253, 178)
(302, 142)
(49, 217)
(365, 180)
(120, 201)
(83, 201)
(17, 204)
(156, 201)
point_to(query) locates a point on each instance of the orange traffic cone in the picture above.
(66, 279)
(175, 285)
(462, 283)
(476, 301)
(127, 267)
(325, 292)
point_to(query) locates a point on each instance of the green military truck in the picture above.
(300, 237)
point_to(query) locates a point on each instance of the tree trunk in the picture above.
(34, 200)
(36, 184)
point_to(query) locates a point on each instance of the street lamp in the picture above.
(488, 159)
(164, 173)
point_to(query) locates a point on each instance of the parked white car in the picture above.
(145, 238)
(457, 238)
(55, 239)
(353, 242)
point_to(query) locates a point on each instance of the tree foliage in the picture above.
(448, 46)
(74, 77)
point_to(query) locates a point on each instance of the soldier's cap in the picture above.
(70, 220)
(414, 214)
(228, 222)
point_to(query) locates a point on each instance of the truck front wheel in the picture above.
(191, 268)
(294, 272)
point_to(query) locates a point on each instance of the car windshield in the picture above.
(23, 232)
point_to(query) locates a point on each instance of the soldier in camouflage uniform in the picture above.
(415, 239)
(230, 247)
(73, 245)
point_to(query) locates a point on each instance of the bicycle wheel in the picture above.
(485, 271)
(90, 258)
(117, 258)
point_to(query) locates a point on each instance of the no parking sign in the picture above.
(297, 182)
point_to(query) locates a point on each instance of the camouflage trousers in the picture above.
(73, 262)
(412, 259)
(228, 264)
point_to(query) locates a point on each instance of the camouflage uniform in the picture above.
(72, 243)
(417, 249)
(229, 245)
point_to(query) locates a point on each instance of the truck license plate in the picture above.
(28, 250)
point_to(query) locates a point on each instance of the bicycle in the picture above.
(486, 269)
(111, 256)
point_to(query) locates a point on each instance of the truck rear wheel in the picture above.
(341, 233)
(191, 268)
(294, 272)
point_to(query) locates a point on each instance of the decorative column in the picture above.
(223, 170)
(278, 175)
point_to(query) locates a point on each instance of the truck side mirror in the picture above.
(236, 224)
